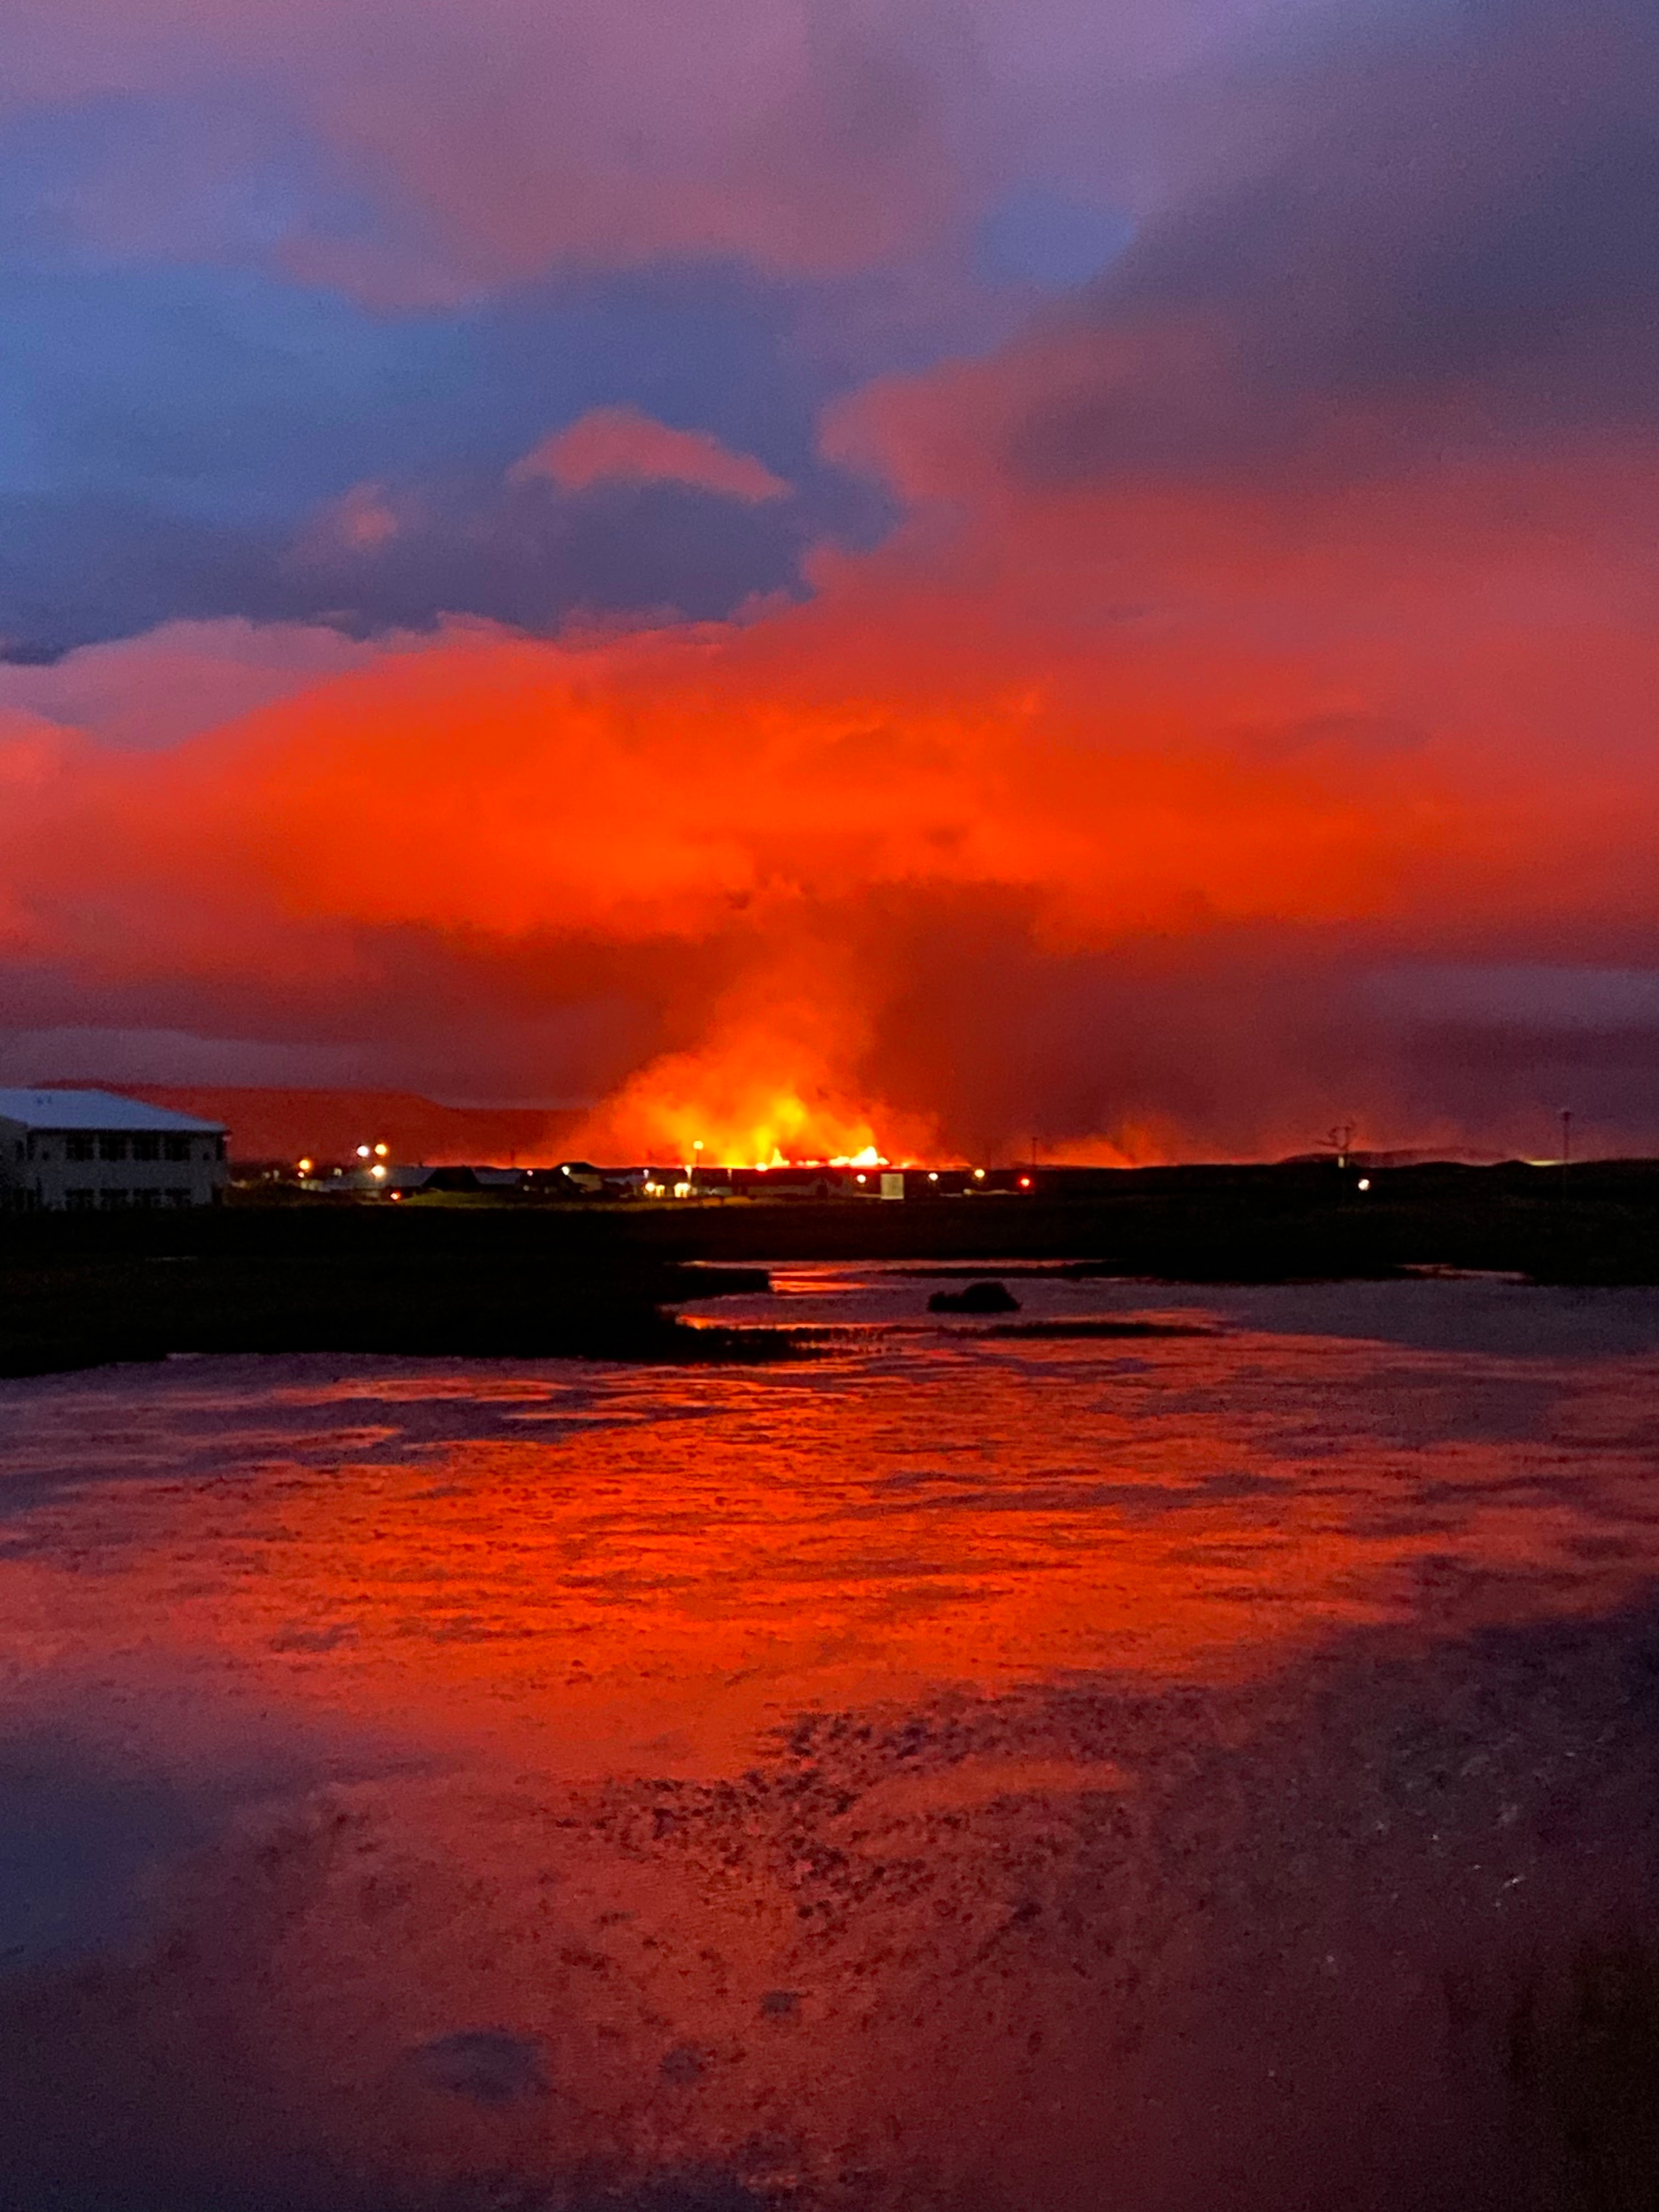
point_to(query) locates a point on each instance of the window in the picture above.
(177, 1148)
(79, 1201)
(112, 1201)
(147, 1198)
(146, 1148)
(112, 1147)
(178, 1198)
(80, 1148)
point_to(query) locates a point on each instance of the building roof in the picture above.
(97, 1111)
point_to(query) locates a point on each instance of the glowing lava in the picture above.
(696, 1105)
(775, 1081)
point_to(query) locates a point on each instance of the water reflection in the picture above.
(963, 1770)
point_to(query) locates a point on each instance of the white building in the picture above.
(89, 1151)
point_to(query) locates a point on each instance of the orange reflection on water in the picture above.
(648, 1567)
(929, 1951)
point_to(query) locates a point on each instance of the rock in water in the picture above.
(977, 1298)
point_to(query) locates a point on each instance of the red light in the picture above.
(1025, 1183)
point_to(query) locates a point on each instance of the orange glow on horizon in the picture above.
(767, 1090)
(783, 845)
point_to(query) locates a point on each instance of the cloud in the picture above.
(620, 445)
(939, 852)
(149, 1056)
(194, 447)
(362, 520)
(178, 679)
(1367, 286)
(1269, 616)
(501, 141)
(421, 150)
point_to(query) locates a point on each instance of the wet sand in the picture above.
(1186, 1770)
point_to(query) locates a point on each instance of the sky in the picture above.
(965, 575)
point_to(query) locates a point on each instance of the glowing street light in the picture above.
(306, 1167)
(362, 1152)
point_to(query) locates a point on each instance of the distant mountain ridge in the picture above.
(328, 1125)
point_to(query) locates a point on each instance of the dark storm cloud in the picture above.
(530, 557)
(74, 573)
(75, 570)
(177, 429)
(1445, 228)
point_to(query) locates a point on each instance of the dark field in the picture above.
(528, 1280)
(78, 1292)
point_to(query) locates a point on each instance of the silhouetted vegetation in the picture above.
(1300, 1222)
(509, 1280)
(78, 1292)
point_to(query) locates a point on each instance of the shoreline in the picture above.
(597, 1282)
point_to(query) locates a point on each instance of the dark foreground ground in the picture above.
(519, 1280)
(76, 1293)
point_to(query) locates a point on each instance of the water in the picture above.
(1163, 1772)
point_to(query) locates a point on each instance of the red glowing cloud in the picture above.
(849, 852)
(620, 445)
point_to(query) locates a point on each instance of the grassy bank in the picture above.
(1211, 1225)
(80, 1292)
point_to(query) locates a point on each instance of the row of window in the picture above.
(114, 1201)
(110, 1146)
